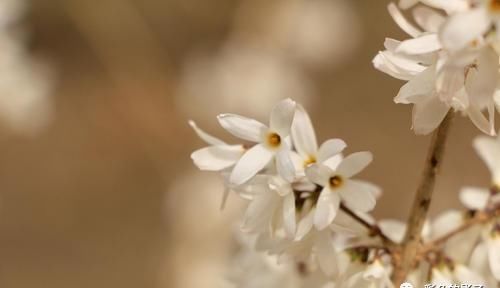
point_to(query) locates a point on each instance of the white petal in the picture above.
(284, 164)
(345, 224)
(446, 222)
(391, 44)
(305, 225)
(397, 65)
(318, 174)
(428, 114)
(282, 117)
(463, 28)
(325, 253)
(494, 256)
(420, 45)
(356, 196)
(298, 163)
(209, 139)
(466, 275)
(279, 185)
(479, 258)
(330, 148)
(489, 150)
(354, 163)
(333, 162)
(474, 198)
(481, 82)
(242, 127)
(479, 120)
(250, 164)
(326, 208)
(496, 99)
(450, 81)
(402, 21)
(217, 158)
(491, 119)
(303, 135)
(428, 18)
(460, 246)
(225, 195)
(259, 212)
(422, 84)
(394, 229)
(289, 215)
(375, 190)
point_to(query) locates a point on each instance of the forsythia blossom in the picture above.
(299, 194)
(450, 62)
(308, 218)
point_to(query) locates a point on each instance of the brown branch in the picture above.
(435, 244)
(374, 230)
(480, 217)
(422, 201)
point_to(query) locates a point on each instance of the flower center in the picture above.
(335, 181)
(273, 139)
(310, 160)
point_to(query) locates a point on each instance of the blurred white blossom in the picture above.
(25, 83)
(308, 219)
(442, 75)
(306, 30)
(239, 78)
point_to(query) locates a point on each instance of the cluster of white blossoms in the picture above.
(307, 216)
(307, 223)
(300, 193)
(451, 60)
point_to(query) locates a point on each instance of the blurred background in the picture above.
(97, 188)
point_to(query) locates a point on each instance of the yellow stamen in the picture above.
(336, 181)
(273, 139)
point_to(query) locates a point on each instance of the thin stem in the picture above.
(437, 243)
(374, 230)
(422, 201)
(480, 217)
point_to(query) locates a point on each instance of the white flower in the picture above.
(484, 256)
(317, 248)
(304, 140)
(439, 79)
(216, 157)
(492, 239)
(337, 187)
(489, 150)
(488, 250)
(271, 142)
(263, 210)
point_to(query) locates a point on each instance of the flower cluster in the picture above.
(451, 60)
(302, 196)
(307, 211)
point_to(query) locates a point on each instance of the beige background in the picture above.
(95, 199)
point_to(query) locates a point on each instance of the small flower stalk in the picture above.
(308, 219)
